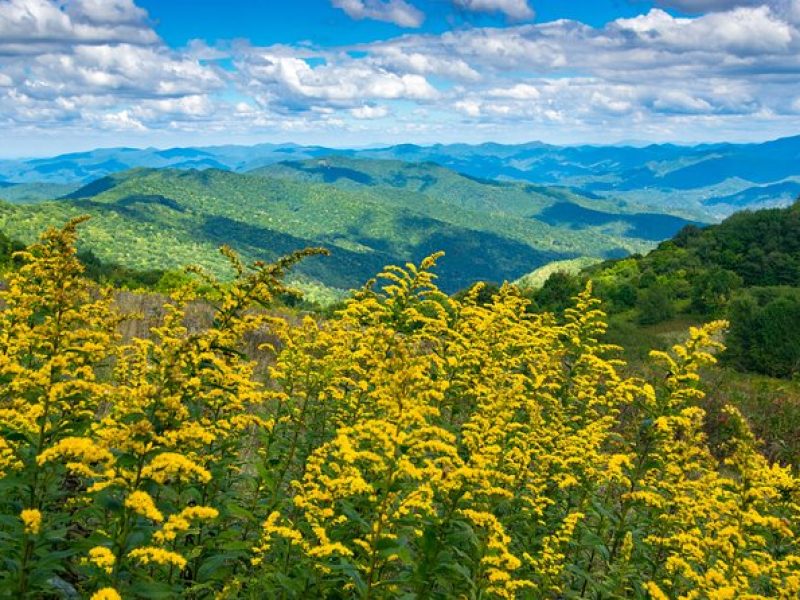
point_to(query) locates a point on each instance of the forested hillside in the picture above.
(164, 219)
(554, 205)
(746, 269)
(411, 445)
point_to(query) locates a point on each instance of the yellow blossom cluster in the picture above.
(103, 558)
(469, 450)
(410, 445)
(142, 504)
(106, 594)
(31, 520)
(181, 522)
(158, 556)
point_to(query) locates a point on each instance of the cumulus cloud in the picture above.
(82, 65)
(741, 31)
(508, 48)
(34, 26)
(122, 69)
(520, 91)
(680, 102)
(95, 64)
(515, 9)
(406, 59)
(788, 10)
(399, 12)
(110, 12)
(369, 112)
(281, 80)
(470, 108)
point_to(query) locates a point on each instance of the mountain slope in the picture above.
(759, 196)
(165, 219)
(553, 205)
(429, 178)
(368, 212)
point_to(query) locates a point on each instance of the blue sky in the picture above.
(266, 23)
(77, 74)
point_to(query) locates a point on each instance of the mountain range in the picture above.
(498, 211)
(705, 182)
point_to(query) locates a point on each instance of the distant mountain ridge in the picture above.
(701, 181)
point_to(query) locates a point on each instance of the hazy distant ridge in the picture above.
(708, 180)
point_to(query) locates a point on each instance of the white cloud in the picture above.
(31, 26)
(109, 12)
(469, 107)
(399, 12)
(123, 69)
(406, 59)
(118, 121)
(507, 48)
(520, 91)
(369, 112)
(196, 107)
(516, 9)
(740, 31)
(701, 6)
(681, 102)
(94, 64)
(285, 80)
(792, 11)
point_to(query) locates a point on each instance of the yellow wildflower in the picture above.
(158, 556)
(655, 591)
(106, 593)
(32, 520)
(103, 558)
(181, 522)
(82, 456)
(171, 465)
(142, 504)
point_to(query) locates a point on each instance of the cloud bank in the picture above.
(71, 67)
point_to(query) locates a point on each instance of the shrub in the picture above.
(765, 327)
(655, 305)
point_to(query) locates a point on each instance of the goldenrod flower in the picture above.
(142, 504)
(82, 456)
(416, 442)
(159, 556)
(106, 593)
(103, 558)
(171, 465)
(181, 522)
(32, 520)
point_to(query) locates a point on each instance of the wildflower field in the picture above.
(411, 446)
